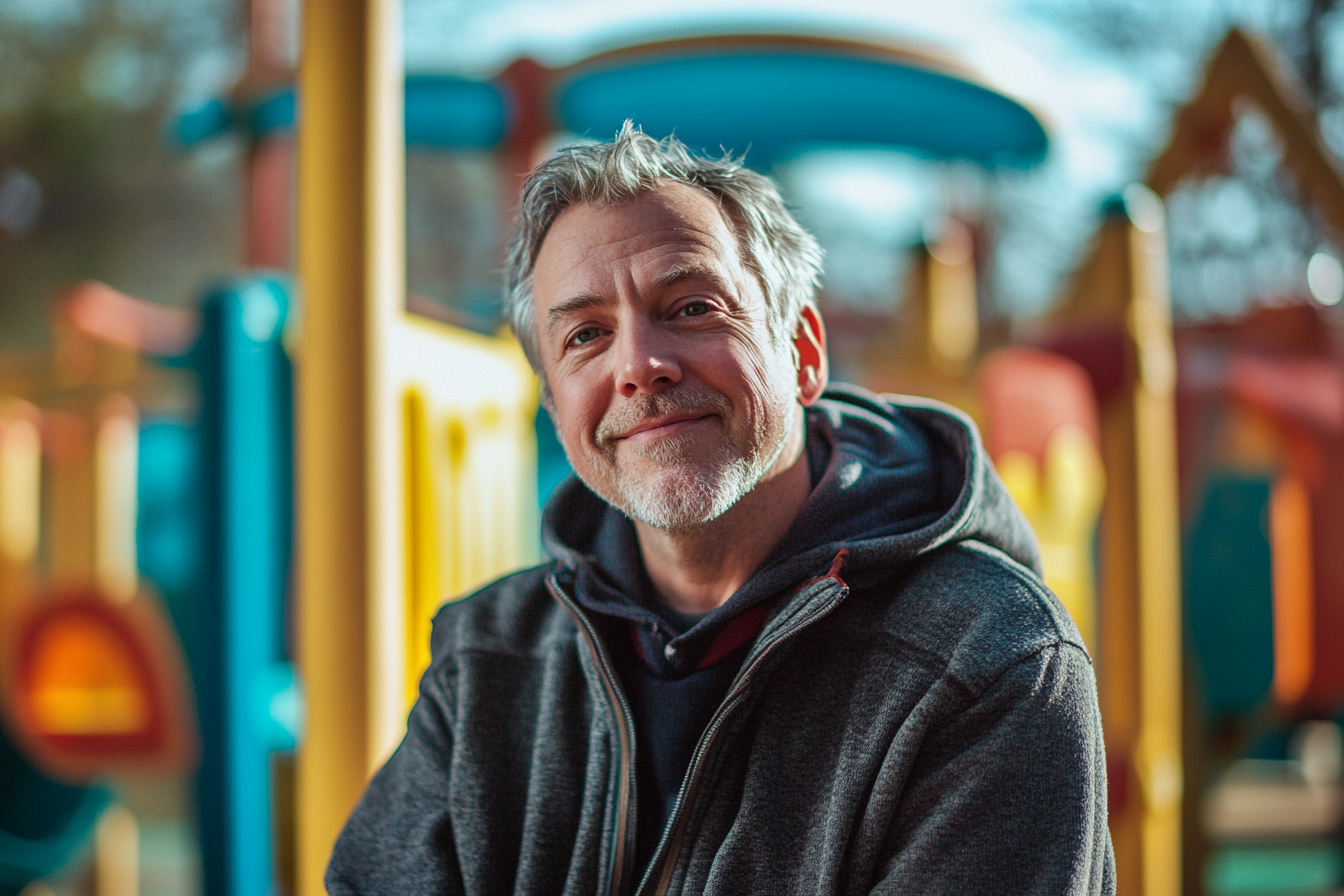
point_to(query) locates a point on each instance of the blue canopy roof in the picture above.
(442, 112)
(770, 96)
(774, 100)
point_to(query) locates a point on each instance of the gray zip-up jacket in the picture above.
(920, 718)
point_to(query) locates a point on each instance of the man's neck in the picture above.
(696, 571)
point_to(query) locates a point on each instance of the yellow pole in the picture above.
(1157, 757)
(939, 334)
(350, 258)
(1122, 289)
(20, 501)
(116, 854)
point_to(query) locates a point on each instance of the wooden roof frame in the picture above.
(1243, 68)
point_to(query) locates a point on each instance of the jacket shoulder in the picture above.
(513, 615)
(975, 612)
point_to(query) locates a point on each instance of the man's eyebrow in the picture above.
(561, 310)
(691, 271)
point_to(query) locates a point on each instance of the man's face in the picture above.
(669, 395)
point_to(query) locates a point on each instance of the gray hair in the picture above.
(784, 257)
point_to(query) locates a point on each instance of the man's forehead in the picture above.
(673, 218)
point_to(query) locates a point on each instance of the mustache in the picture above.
(648, 406)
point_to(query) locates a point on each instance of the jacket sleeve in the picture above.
(1009, 796)
(400, 838)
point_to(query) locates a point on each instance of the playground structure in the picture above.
(1256, 462)
(1293, 383)
(94, 671)
(416, 460)
(94, 680)
(1260, 401)
(1119, 300)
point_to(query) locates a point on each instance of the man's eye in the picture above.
(588, 334)
(695, 309)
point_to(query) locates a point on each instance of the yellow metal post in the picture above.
(350, 258)
(405, 427)
(938, 337)
(20, 500)
(1122, 290)
(950, 327)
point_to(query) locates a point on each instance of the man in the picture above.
(791, 640)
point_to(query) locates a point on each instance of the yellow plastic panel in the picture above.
(470, 468)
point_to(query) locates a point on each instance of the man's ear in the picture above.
(809, 352)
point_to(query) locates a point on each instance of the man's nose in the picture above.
(646, 361)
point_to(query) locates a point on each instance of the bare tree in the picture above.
(91, 184)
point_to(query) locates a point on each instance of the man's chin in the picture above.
(684, 500)
(673, 519)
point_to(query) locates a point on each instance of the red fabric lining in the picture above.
(639, 644)
(834, 571)
(747, 625)
(739, 630)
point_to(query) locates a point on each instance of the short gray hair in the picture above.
(784, 257)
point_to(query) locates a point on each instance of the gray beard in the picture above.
(683, 495)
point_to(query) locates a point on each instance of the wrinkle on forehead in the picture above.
(674, 220)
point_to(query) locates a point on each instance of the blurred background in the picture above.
(1108, 229)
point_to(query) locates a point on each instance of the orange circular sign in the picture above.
(98, 686)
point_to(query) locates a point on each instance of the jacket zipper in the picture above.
(623, 855)
(666, 855)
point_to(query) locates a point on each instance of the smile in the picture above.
(662, 427)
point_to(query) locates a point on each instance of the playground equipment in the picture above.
(1260, 434)
(42, 820)
(393, 412)
(242, 678)
(1264, 413)
(221, 561)
(1295, 394)
(1260, 441)
(1116, 323)
(937, 341)
(1263, 419)
(93, 675)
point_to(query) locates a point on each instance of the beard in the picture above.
(685, 490)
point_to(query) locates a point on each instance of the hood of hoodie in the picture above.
(900, 477)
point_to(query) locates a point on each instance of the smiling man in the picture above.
(791, 640)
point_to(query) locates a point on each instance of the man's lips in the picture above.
(661, 427)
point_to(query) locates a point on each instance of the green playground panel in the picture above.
(1295, 869)
(1228, 584)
